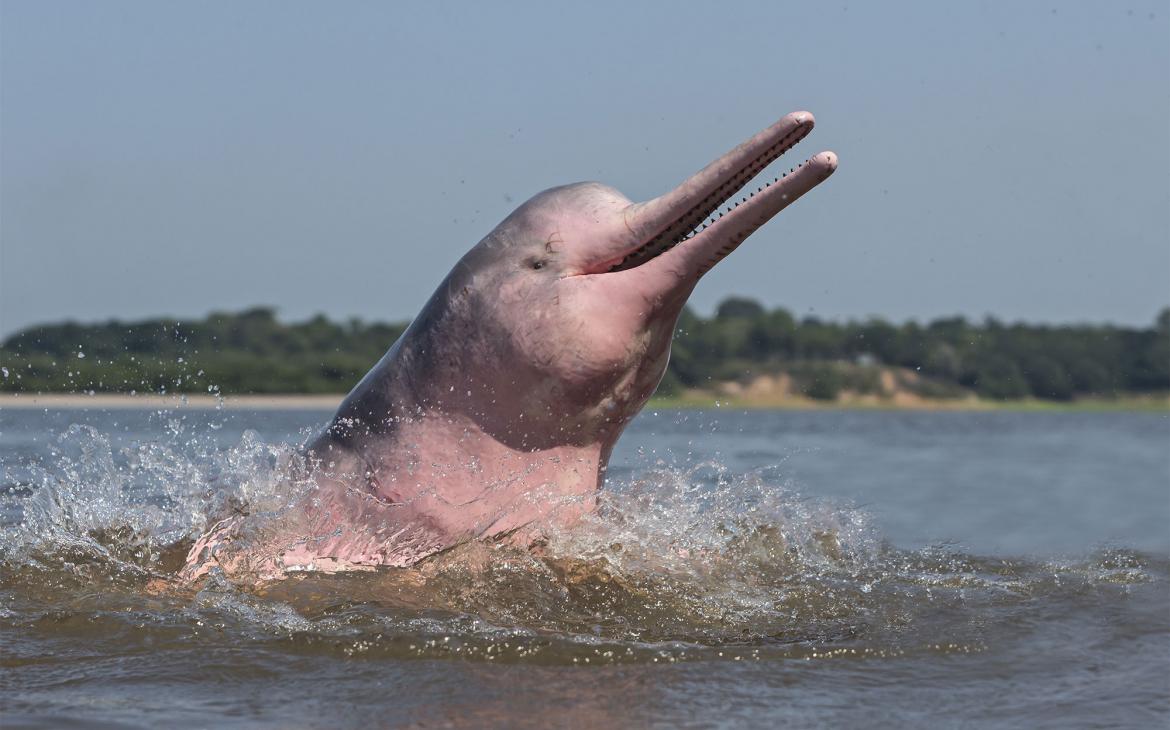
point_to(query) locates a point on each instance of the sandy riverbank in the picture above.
(692, 399)
(875, 403)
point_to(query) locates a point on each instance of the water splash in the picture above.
(132, 507)
(676, 563)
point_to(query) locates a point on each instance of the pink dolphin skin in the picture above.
(494, 415)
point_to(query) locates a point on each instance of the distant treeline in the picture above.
(252, 352)
(246, 352)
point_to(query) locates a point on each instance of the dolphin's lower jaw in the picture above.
(695, 219)
(689, 215)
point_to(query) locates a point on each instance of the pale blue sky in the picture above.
(1005, 158)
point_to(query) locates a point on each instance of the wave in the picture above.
(676, 563)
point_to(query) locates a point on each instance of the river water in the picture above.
(759, 569)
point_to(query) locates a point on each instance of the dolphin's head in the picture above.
(567, 308)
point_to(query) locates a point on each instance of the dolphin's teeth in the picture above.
(706, 212)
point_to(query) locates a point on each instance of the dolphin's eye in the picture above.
(538, 264)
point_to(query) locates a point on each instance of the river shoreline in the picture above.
(694, 399)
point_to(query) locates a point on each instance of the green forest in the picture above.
(254, 352)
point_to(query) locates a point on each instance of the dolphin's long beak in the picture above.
(674, 222)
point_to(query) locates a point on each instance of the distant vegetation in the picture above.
(252, 352)
(248, 352)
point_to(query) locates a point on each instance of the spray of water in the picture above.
(676, 562)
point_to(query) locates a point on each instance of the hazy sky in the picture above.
(1006, 158)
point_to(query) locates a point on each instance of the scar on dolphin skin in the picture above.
(553, 239)
(534, 354)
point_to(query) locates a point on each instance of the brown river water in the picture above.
(759, 569)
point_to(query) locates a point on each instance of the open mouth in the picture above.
(694, 208)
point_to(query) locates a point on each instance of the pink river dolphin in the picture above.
(494, 415)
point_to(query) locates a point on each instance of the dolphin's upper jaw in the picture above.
(688, 218)
(704, 214)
